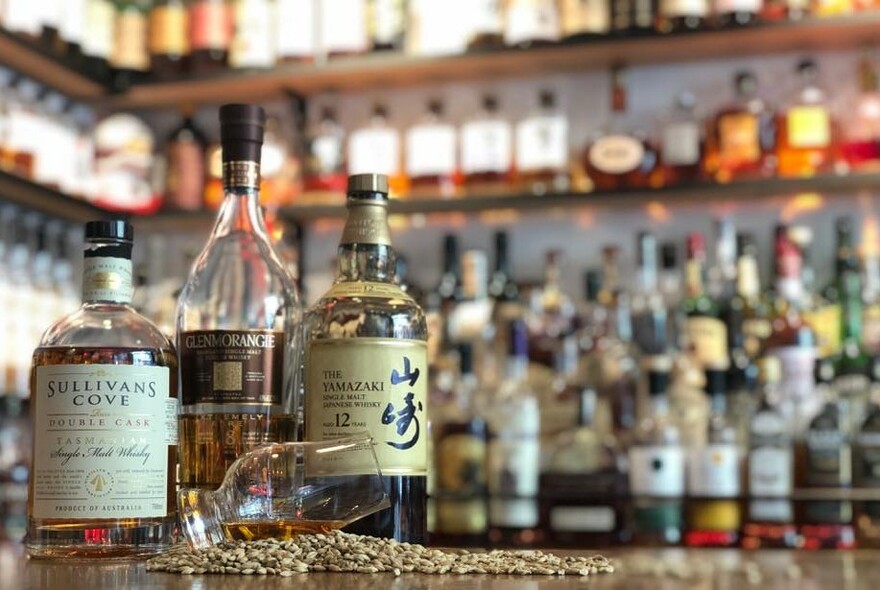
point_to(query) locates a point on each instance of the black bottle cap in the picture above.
(669, 256)
(241, 132)
(435, 107)
(745, 244)
(114, 230)
(465, 358)
(716, 382)
(380, 111)
(328, 114)
(658, 383)
(874, 370)
(547, 99)
(808, 68)
(490, 103)
(592, 284)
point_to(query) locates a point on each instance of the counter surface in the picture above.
(711, 569)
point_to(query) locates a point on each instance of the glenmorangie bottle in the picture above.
(104, 402)
(238, 323)
(366, 363)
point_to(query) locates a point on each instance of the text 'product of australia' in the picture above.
(366, 363)
(104, 394)
(238, 321)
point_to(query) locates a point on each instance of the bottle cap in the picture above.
(116, 230)
(658, 382)
(716, 382)
(490, 103)
(368, 183)
(241, 132)
(745, 244)
(592, 284)
(669, 256)
(465, 358)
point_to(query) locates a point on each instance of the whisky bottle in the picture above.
(737, 13)
(487, 26)
(432, 155)
(584, 19)
(676, 16)
(681, 149)
(343, 36)
(531, 23)
(130, 61)
(238, 323)
(866, 466)
(705, 332)
(741, 139)
(386, 23)
(168, 40)
(106, 374)
(769, 515)
(807, 133)
(296, 34)
(366, 363)
(325, 165)
(375, 148)
(97, 39)
(487, 150)
(252, 43)
(861, 143)
(657, 468)
(542, 148)
(713, 476)
(211, 27)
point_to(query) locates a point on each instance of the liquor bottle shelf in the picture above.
(20, 191)
(692, 193)
(390, 70)
(31, 60)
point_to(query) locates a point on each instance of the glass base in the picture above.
(113, 540)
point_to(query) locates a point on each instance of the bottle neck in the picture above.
(748, 282)
(694, 277)
(365, 252)
(240, 211)
(107, 274)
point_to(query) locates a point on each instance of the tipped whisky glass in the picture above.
(286, 489)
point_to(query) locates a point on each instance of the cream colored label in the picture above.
(616, 154)
(825, 322)
(808, 127)
(107, 279)
(708, 339)
(101, 449)
(374, 385)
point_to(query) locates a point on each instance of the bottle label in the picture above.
(211, 26)
(430, 151)
(326, 153)
(739, 139)
(367, 289)
(373, 385)
(22, 16)
(771, 511)
(583, 519)
(486, 146)
(828, 458)
(707, 337)
(684, 8)
(436, 28)
(241, 367)
(656, 471)
(731, 6)
(387, 21)
(518, 513)
(513, 466)
(98, 38)
(808, 127)
(585, 16)
(461, 463)
(296, 23)
(616, 154)
(252, 44)
(185, 180)
(825, 322)
(461, 516)
(681, 144)
(797, 385)
(344, 35)
(770, 470)
(367, 223)
(542, 144)
(102, 448)
(130, 41)
(374, 151)
(485, 17)
(531, 20)
(168, 30)
(107, 278)
(713, 471)
(73, 21)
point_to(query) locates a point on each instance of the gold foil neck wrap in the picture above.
(244, 174)
(367, 223)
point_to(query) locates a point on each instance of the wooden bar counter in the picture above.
(672, 568)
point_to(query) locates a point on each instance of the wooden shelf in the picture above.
(396, 70)
(33, 61)
(693, 193)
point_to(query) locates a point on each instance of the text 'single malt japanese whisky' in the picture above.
(366, 363)
(104, 395)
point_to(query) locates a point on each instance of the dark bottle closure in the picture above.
(380, 112)
(745, 83)
(669, 256)
(646, 250)
(745, 244)
(807, 69)
(490, 103)
(592, 284)
(362, 185)
(547, 99)
(241, 132)
(466, 358)
(109, 238)
(450, 253)
(500, 250)
(435, 107)
(658, 383)
(328, 114)
(696, 245)
(716, 383)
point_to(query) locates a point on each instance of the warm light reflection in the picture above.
(398, 222)
(323, 226)
(657, 211)
(870, 247)
(800, 204)
(585, 218)
(500, 217)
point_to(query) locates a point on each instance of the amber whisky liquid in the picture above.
(251, 530)
(105, 538)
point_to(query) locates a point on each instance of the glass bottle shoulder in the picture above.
(102, 325)
(391, 315)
